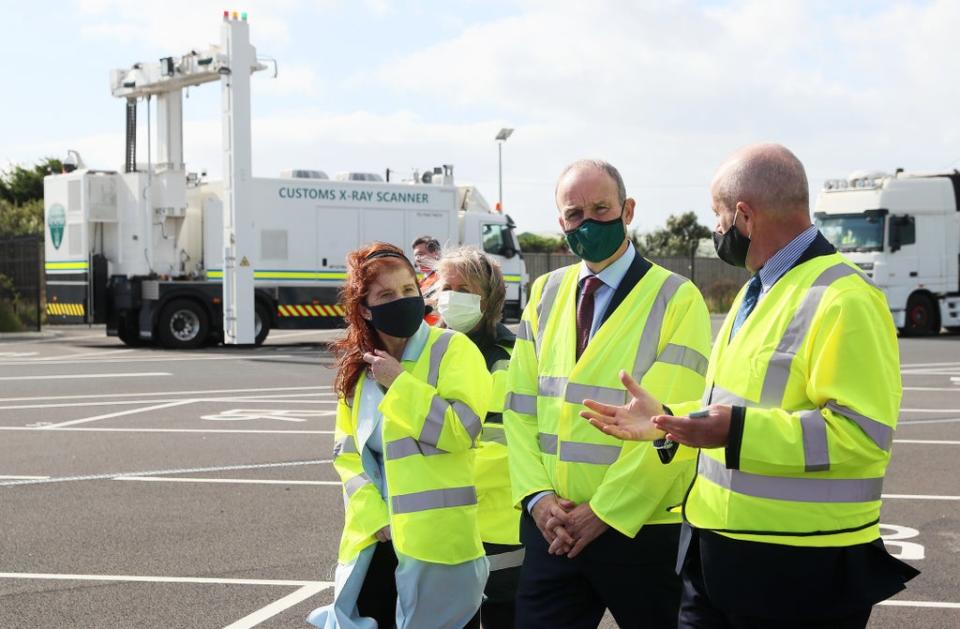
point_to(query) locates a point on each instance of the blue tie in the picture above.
(748, 303)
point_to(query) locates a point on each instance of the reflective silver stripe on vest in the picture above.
(791, 488)
(816, 457)
(468, 419)
(355, 483)
(522, 403)
(547, 297)
(650, 338)
(880, 433)
(509, 559)
(684, 357)
(719, 395)
(437, 350)
(576, 393)
(577, 452)
(433, 424)
(494, 433)
(434, 499)
(778, 369)
(551, 386)
(525, 331)
(408, 446)
(345, 445)
(548, 442)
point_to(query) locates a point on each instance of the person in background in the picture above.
(795, 426)
(597, 523)
(412, 400)
(426, 253)
(471, 299)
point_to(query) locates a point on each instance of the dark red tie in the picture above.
(585, 311)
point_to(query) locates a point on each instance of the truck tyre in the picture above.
(261, 323)
(183, 324)
(922, 317)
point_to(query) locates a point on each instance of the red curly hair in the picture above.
(361, 336)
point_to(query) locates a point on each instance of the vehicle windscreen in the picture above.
(853, 232)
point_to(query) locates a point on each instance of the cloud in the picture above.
(664, 90)
(180, 25)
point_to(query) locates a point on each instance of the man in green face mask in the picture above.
(596, 511)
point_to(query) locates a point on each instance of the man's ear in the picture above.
(628, 207)
(749, 215)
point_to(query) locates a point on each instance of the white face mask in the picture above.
(460, 311)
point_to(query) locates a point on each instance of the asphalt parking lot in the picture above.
(148, 488)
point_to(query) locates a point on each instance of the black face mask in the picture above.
(400, 318)
(732, 246)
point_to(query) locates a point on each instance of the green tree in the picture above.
(679, 238)
(19, 185)
(21, 220)
(536, 243)
(21, 197)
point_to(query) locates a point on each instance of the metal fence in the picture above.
(21, 283)
(717, 280)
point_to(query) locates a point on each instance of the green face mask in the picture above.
(594, 240)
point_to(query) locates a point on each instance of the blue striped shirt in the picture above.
(783, 260)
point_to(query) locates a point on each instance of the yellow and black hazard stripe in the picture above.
(59, 309)
(310, 310)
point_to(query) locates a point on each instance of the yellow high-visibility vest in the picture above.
(432, 417)
(817, 366)
(499, 519)
(660, 333)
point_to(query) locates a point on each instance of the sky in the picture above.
(663, 90)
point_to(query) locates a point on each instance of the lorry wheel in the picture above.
(261, 323)
(183, 324)
(922, 316)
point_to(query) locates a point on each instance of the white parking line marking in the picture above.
(242, 481)
(950, 389)
(103, 352)
(936, 442)
(899, 603)
(907, 422)
(193, 470)
(930, 410)
(253, 400)
(152, 579)
(10, 477)
(75, 376)
(157, 359)
(251, 431)
(279, 605)
(917, 497)
(132, 411)
(155, 393)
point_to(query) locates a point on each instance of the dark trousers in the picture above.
(632, 577)
(698, 612)
(770, 586)
(378, 594)
(499, 606)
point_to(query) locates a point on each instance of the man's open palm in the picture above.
(630, 421)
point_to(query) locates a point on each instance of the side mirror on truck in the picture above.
(903, 231)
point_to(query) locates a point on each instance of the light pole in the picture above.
(501, 138)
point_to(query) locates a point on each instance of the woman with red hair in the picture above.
(411, 405)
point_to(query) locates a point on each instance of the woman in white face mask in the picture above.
(471, 301)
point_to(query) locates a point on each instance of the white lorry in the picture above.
(150, 251)
(903, 230)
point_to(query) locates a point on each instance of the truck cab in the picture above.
(904, 232)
